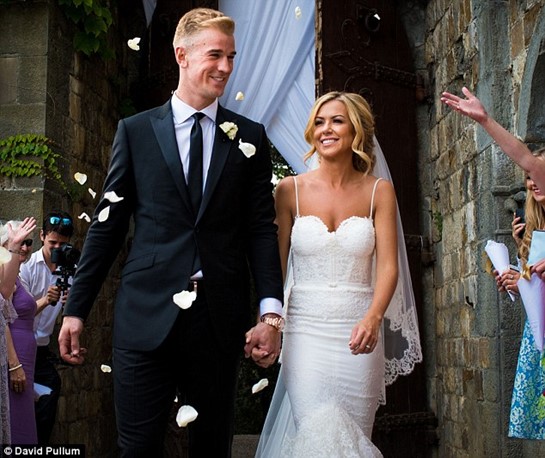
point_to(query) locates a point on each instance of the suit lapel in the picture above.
(220, 152)
(163, 126)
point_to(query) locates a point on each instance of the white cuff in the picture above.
(270, 305)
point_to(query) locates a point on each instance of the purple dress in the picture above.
(23, 420)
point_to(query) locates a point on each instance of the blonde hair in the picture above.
(534, 214)
(363, 123)
(198, 19)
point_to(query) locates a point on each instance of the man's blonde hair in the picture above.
(199, 19)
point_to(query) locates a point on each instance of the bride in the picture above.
(338, 230)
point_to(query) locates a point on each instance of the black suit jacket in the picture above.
(234, 231)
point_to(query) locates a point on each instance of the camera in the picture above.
(66, 258)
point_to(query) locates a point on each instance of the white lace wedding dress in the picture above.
(326, 397)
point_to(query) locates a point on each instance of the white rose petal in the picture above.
(5, 256)
(263, 383)
(85, 216)
(104, 214)
(133, 43)
(184, 299)
(298, 13)
(93, 193)
(33, 191)
(81, 178)
(112, 197)
(239, 96)
(176, 400)
(186, 414)
(247, 148)
(105, 368)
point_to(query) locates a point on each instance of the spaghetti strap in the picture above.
(372, 197)
(296, 198)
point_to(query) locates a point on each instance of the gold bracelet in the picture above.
(14, 368)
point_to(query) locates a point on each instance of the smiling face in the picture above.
(205, 66)
(333, 131)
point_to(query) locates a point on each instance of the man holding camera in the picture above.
(44, 284)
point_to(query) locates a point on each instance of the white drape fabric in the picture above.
(274, 69)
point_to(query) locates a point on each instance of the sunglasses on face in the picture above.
(58, 220)
(27, 242)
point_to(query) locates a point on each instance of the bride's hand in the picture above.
(364, 336)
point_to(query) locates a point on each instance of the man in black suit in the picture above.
(184, 242)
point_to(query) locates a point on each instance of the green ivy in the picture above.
(29, 155)
(93, 19)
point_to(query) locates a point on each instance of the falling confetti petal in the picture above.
(239, 96)
(133, 43)
(105, 368)
(247, 148)
(104, 214)
(112, 197)
(176, 400)
(263, 383)
(81, 178)
(5, 255)
(186, 414)
(93, 193)
(184, 299)
(85, 216)
(298, 13)
(34, 191)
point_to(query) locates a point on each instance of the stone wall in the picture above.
(73, 99)
(469, 191)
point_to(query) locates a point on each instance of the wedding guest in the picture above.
(527, 418)
(7, 316)
(39, 279)
(472, 107)
(339, 222)
(21, 345)
(195, 179)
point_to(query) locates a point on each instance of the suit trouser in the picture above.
(46, 374)
(189, 364)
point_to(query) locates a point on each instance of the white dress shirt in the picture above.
(183, 122)
(36, 278)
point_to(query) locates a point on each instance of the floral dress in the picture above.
(527, 419)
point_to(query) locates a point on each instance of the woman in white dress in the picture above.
(337, 230)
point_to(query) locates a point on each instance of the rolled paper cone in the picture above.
(499, 256)
(532, 293)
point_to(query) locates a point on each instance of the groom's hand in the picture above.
(263, 344)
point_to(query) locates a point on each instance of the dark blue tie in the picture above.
(194, 176)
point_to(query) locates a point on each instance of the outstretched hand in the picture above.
(470, 106)
(262, 344)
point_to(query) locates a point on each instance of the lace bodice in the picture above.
(329, 258)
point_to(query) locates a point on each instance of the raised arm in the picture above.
(472, 107)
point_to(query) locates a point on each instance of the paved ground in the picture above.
(244, 445)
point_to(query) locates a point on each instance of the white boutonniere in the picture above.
(247, 148)
(230, 128)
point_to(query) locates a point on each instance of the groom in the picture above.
(184, 242)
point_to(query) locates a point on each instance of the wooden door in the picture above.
(362, 48)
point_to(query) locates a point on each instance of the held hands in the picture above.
(69, 347)
(262, 344)
(471, 106)
(507, 281)
(364, 336)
